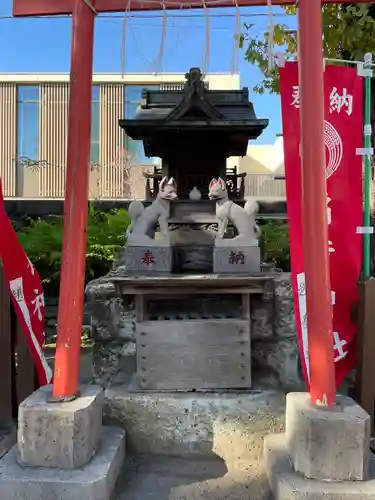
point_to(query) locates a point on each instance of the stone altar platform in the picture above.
(229, 425)
(114, 308)
(192, 332)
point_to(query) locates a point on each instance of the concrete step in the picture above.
(153, 477)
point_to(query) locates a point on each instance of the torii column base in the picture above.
(324, 453)
(66, 453)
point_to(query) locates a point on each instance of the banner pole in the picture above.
(367, 173)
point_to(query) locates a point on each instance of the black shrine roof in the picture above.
(195, 108)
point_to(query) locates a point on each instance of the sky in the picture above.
(43, 45)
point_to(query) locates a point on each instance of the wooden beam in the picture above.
(365, 380)
(22, 8)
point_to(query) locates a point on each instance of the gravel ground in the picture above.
(174, 478)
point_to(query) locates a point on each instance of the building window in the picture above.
(28, 100)
(95, 125)
(132, 98)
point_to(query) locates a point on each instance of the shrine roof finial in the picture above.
(194, 77)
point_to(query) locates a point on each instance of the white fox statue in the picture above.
(242, 218)
(144, 220)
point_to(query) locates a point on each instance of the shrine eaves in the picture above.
(59, 7)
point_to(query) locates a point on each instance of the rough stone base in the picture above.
(228, 425)
(94, 481)
(236, 260)
(275, 356)
(286, 484)
(331, 445)
(61, 435)
(148, 259)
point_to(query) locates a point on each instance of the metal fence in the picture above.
(114, 183)
(265, 186)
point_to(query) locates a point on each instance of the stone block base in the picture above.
(286, 484)
(148, 259)
(94, 481)
(332, 445)
(228, 425)
(61, 435)
(236, 260)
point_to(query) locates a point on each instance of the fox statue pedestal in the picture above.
(236, 259)
(145, 250)
(157, 259)
(240, 254)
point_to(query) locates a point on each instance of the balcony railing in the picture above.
(265, 186)
(113, 183)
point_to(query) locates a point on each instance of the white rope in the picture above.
(123, 39)
(207, 52)
(147, 61)
(90, 6)
(159, 58)
(152, 64)
(270, 41)
(237, 33)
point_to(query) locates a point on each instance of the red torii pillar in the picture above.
(318, 296)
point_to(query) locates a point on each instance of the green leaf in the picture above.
(348, 33)
(42, 241)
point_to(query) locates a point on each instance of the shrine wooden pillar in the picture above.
(314, 207)
(72, 281)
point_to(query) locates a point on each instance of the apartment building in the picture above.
(33, 131)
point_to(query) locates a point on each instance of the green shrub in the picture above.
(42, 241)
(275, 244)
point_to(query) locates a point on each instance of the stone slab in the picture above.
(60, 435)
(229, 425)
(332, 445)
(94, 481)
(236, 260)
(148, 259)
(286, 484)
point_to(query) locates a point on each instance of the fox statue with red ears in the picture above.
(144, 220)
(243, 219)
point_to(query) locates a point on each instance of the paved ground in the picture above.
(172, 478)
(167, 478)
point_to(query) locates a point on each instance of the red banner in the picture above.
(26, 291)
(343, 135)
